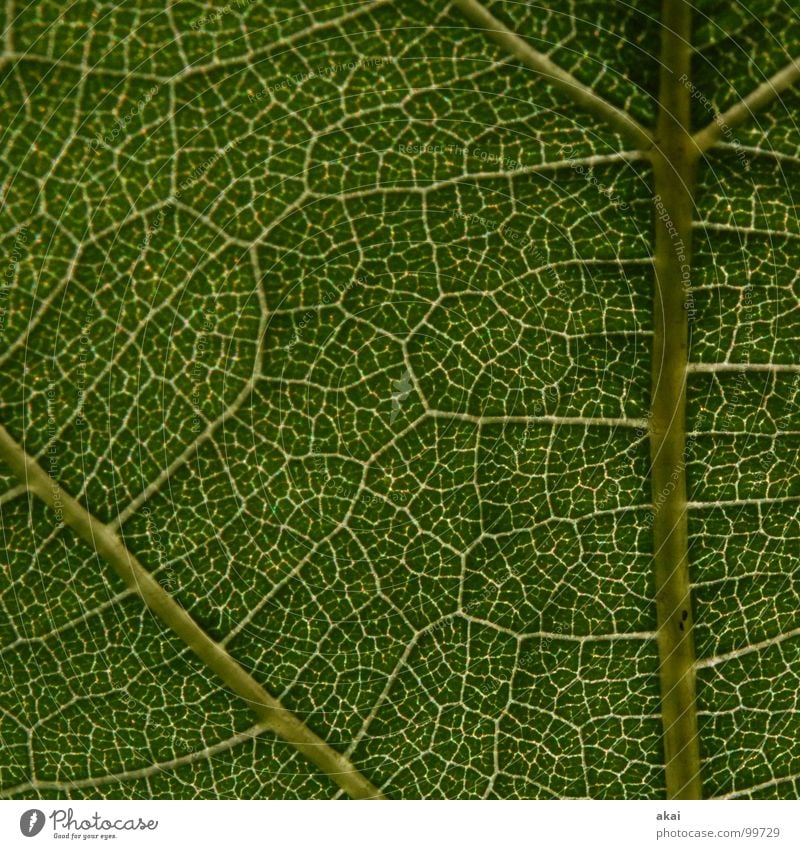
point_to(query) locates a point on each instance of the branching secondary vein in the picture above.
(621, 121)
(766, 94)
(110, 547)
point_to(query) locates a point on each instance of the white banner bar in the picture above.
(401, 825)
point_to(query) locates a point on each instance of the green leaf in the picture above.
(399, 399)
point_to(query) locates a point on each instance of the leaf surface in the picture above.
(343, 320)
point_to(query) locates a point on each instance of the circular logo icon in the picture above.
(31, 822)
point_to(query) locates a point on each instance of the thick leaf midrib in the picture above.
(674, 168)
